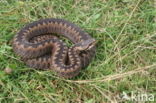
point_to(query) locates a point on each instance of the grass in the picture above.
(125, 59)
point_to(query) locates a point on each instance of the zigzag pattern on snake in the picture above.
(41, 49)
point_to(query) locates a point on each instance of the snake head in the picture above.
(85, 45)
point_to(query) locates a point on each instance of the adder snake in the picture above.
(41, 49)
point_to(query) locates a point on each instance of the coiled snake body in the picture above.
(40, 49)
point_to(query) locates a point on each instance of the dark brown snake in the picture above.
(40, 48)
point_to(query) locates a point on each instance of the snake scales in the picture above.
(41, 49)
